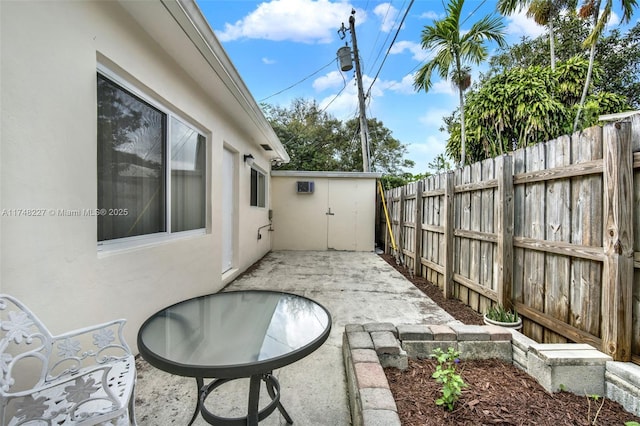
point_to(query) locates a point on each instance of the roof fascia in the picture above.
(188, 15)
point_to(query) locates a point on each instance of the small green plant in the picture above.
(446, 373)
(499, 313)
(595, 399)
(631, 424)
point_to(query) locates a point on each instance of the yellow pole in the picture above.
(386, 215)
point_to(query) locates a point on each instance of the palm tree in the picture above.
(454, 49)
(591, 9)
(543, 12)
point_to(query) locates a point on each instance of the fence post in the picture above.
(448, 225)
(505, 218)
(400, 237)
(417, 249)
(617, 241)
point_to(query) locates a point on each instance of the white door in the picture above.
(228, 207)
(342, 215)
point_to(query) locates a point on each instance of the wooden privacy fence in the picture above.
(552, 229)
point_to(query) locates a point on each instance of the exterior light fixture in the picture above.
(276, 161)
(248, 158)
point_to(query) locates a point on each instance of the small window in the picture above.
(258, 188)
(151, 168)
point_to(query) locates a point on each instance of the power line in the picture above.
(474, 11)
(390, 46)
(423, 62)
(295, 84)
(378, 36)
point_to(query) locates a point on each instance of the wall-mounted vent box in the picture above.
(305, 187)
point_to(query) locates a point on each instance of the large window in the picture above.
(258, 188)
(151, 168)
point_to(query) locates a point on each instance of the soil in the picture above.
(498, 393)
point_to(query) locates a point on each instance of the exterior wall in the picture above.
(50, 54)
(301, 222)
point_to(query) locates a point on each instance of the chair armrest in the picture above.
(79, 396)
(85, 347)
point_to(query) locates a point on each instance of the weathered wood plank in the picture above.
(586, 230)
(557, 228)
(488, 267)
(433, 192)
(401, 208)
(418, 219)
(475, 219)
(573, 170)
(440, 238)
(426, 224)
(504, 227)
(476, 235)
(534, 224)
(474, 287)
(433, 266)
(519, 207)
(567, 249)
(618, 242)
(572, 333)
(465, 224)
(449, 224)
(635, 143)
(476, 186)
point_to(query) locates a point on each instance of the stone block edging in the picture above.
(369, 348)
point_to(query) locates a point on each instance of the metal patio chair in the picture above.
(83, 377)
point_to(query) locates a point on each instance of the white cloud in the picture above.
(430, 14)
(518, 24)
(419, 54)
(345, 105)
(443, 86)
(614, 20)
(387, 15)
(268, 61)
(424, 152)
(404, 86)
(304, 21)
(331, 80)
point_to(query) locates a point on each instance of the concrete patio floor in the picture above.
(355, 287)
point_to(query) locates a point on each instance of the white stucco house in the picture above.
(134, 162)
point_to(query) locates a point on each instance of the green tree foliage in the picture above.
(315, 140)
(525, 106)
(387, 153)
(311, 136)
(439, 164)
(569, 33)
(617, 56)
(543, 12)
(454, 50)
(591, 10)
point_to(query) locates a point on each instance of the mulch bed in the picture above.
(498, 393)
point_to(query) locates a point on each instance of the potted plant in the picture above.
(498, 315)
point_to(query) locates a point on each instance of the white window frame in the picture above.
(161, 105)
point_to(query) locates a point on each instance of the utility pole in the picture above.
(364, 127)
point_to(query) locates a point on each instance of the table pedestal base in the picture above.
(254, 415)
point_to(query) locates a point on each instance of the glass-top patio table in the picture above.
(232, 335)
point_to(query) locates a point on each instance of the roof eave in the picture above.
(188, 15)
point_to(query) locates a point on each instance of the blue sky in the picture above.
(276, 44)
